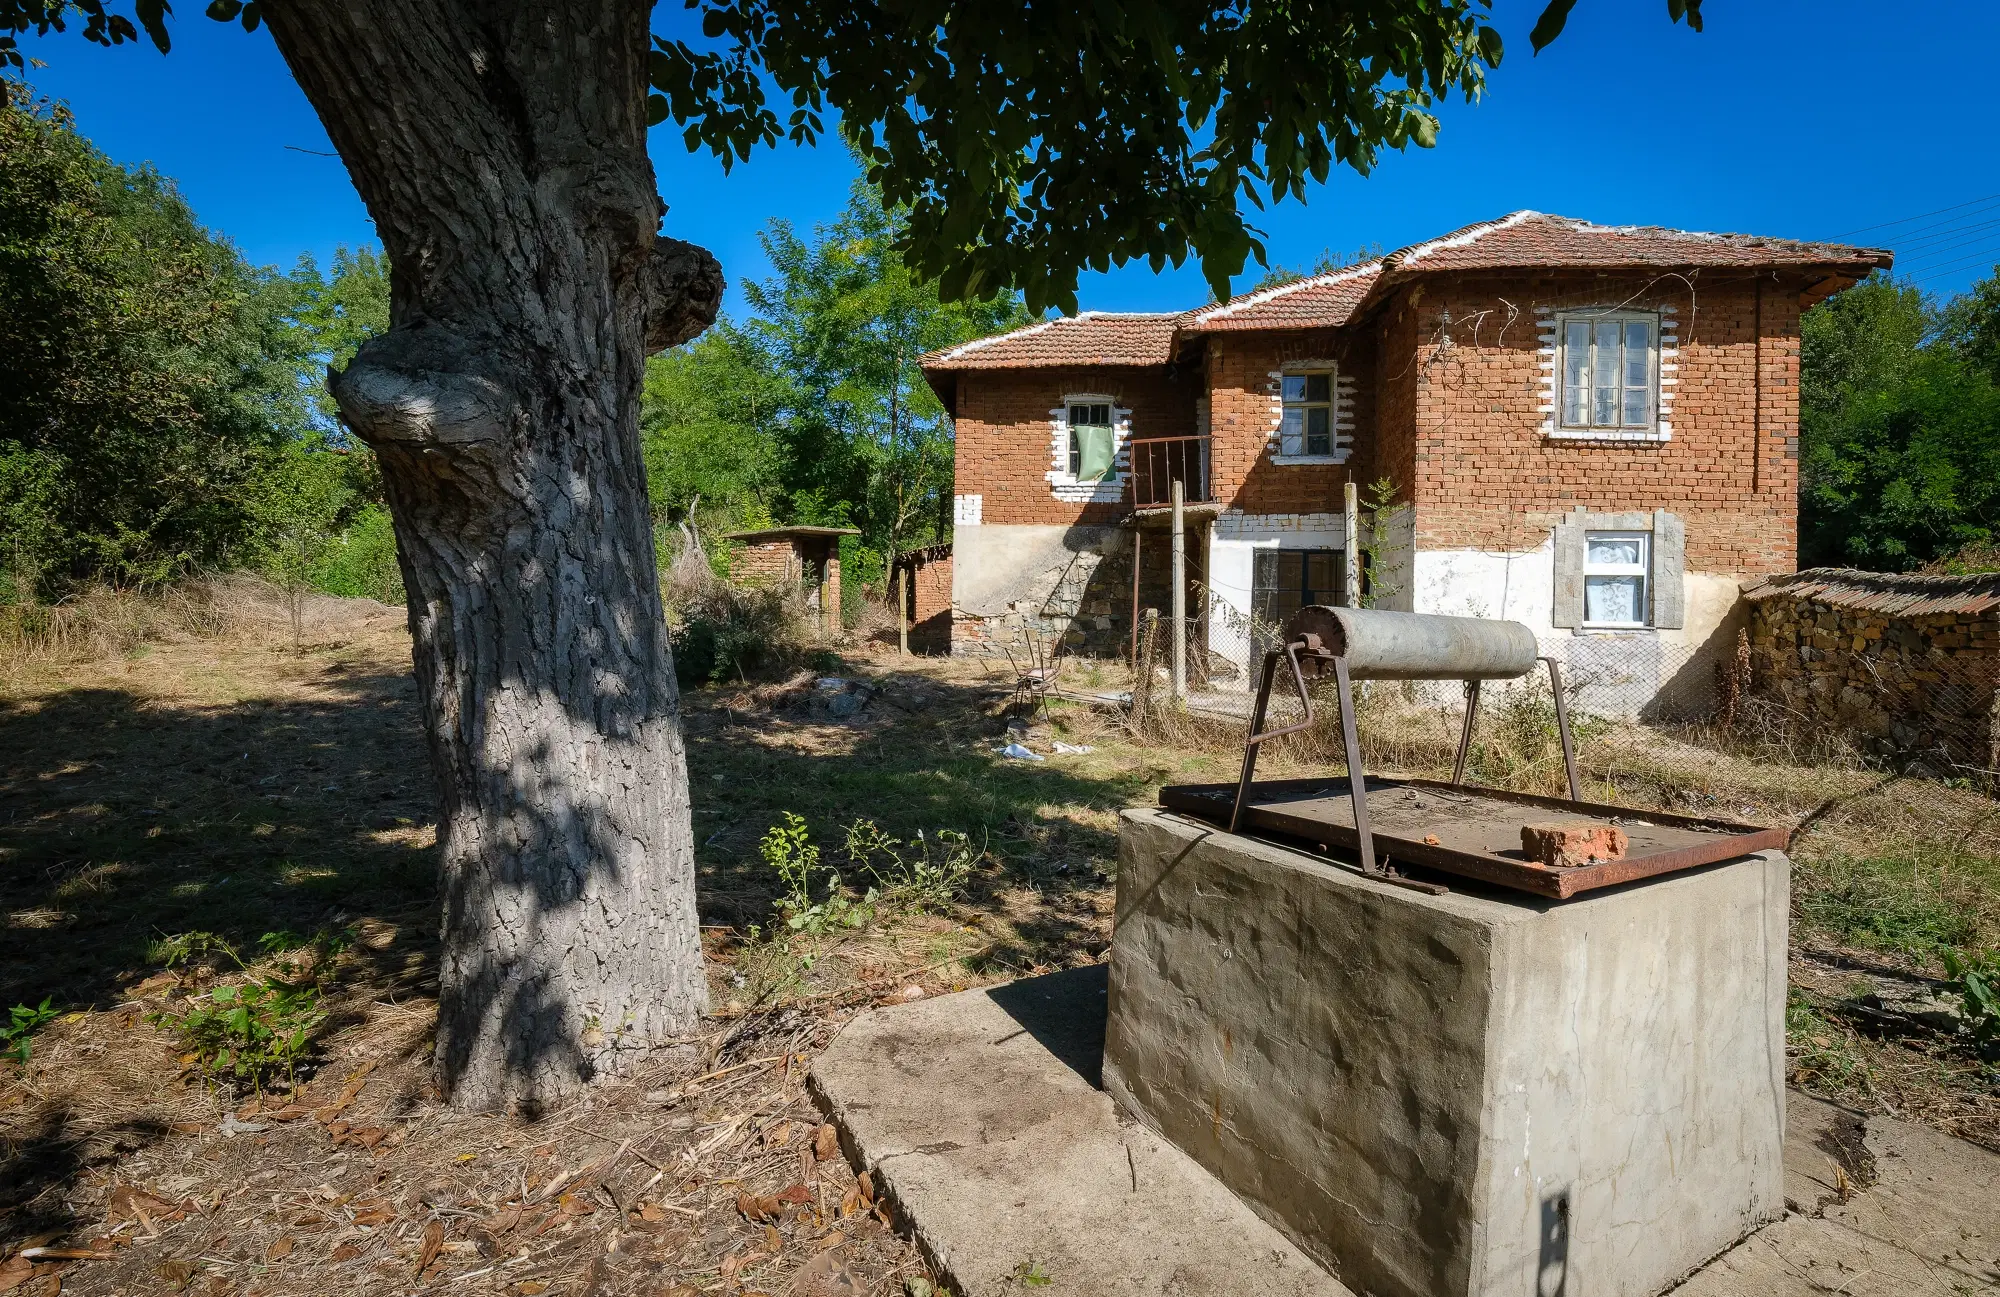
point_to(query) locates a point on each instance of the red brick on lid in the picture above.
(1572, 845)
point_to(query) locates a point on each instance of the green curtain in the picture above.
(1093, 452)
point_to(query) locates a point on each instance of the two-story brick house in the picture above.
(1590, 429)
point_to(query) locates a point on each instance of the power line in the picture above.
(1947, 250)
(1919, 216)
(1991, 257)
(1913, 244)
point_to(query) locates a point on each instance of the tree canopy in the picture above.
(813, 409)
(1899, 426)
(150, 372)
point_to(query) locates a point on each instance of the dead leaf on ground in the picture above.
(503, 1220)
(773, 1239)
(346, 1252)
(14, 1273)
(433, 1240)
(129, 1202)
(531, 1287)
(756, 1207)
(795, 1193)
(826, 1275)
(779, 1135)
(374, 1216)
(177, 1273)
(280, 1249)
(576, 1204)
(826, 1142)
(866, 1183)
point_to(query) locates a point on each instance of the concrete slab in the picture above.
(1921, 1216)
(980, 1116)
(977, 1113)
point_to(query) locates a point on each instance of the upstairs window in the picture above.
(1091, 443)
(1617, 568)
(1610, 371)
(1306, 427)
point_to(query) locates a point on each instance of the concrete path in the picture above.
(980, 1115)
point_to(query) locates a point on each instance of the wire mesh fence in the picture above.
(1655, 722)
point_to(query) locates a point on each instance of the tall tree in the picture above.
(501, 148)
(846, 319)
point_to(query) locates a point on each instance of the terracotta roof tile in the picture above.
(1895, 594)
(1091, 338)
(1537, 239)
(1317, 302)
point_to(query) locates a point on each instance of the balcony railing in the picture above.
(1159, 462)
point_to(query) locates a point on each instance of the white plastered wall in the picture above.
(1616, 673)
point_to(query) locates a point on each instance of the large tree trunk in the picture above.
(500, 148)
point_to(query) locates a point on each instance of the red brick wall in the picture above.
(1485, 476)
(1003, 433)
(768, 563)
(929, 606)
(1241, 405)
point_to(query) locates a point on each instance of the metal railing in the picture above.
(1158, 462)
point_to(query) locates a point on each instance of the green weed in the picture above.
(16, 1034)
(252, 1032)
(1822, 1053)
(923, 873)
(1978, 979)
(789, 851)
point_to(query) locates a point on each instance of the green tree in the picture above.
(501, 148)
(297, 500)
(137, 361)
(710, 414)
(1899, 428)
(866, 441)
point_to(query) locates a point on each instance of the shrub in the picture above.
(1977, 977)
(252, 1031)
(718, 630)
(361, 561)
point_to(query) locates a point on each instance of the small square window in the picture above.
(1617, 569)
(1306, 425)
(1089, 421)
(1610, 371)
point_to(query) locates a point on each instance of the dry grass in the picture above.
(205, 775)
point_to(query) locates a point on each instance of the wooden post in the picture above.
(1138, 545)
(1180, 596)
(1351, 517)
(903, 611)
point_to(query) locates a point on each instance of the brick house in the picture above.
(1591, 429)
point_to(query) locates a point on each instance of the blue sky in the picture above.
(1803, 118)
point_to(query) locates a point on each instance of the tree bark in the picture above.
(501, 150)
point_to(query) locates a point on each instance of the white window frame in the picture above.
(1650, 420)
(1062, 483)
(1643, 569)
(1302, 453)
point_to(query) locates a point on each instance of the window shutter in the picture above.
(1568, 608)
(1669, 563)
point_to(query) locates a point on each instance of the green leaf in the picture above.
(1550, 24)
(224, 10)
(152, 15)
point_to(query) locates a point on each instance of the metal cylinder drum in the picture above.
(1382, 645)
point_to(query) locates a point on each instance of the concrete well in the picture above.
(1470, 1093)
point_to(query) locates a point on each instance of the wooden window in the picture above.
(1286, 580)
(1610, 367)
(1306, 425)
(1087, 421)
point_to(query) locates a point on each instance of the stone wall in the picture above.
(1920, 686)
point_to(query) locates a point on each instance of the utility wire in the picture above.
(1919, 216)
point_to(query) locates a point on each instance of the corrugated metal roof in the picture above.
(1894, 594)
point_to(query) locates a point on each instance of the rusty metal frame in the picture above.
(1733, 839)
(1729, 839)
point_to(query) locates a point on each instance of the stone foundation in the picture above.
(1470, 1093)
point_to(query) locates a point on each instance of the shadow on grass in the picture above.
(123, 819)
